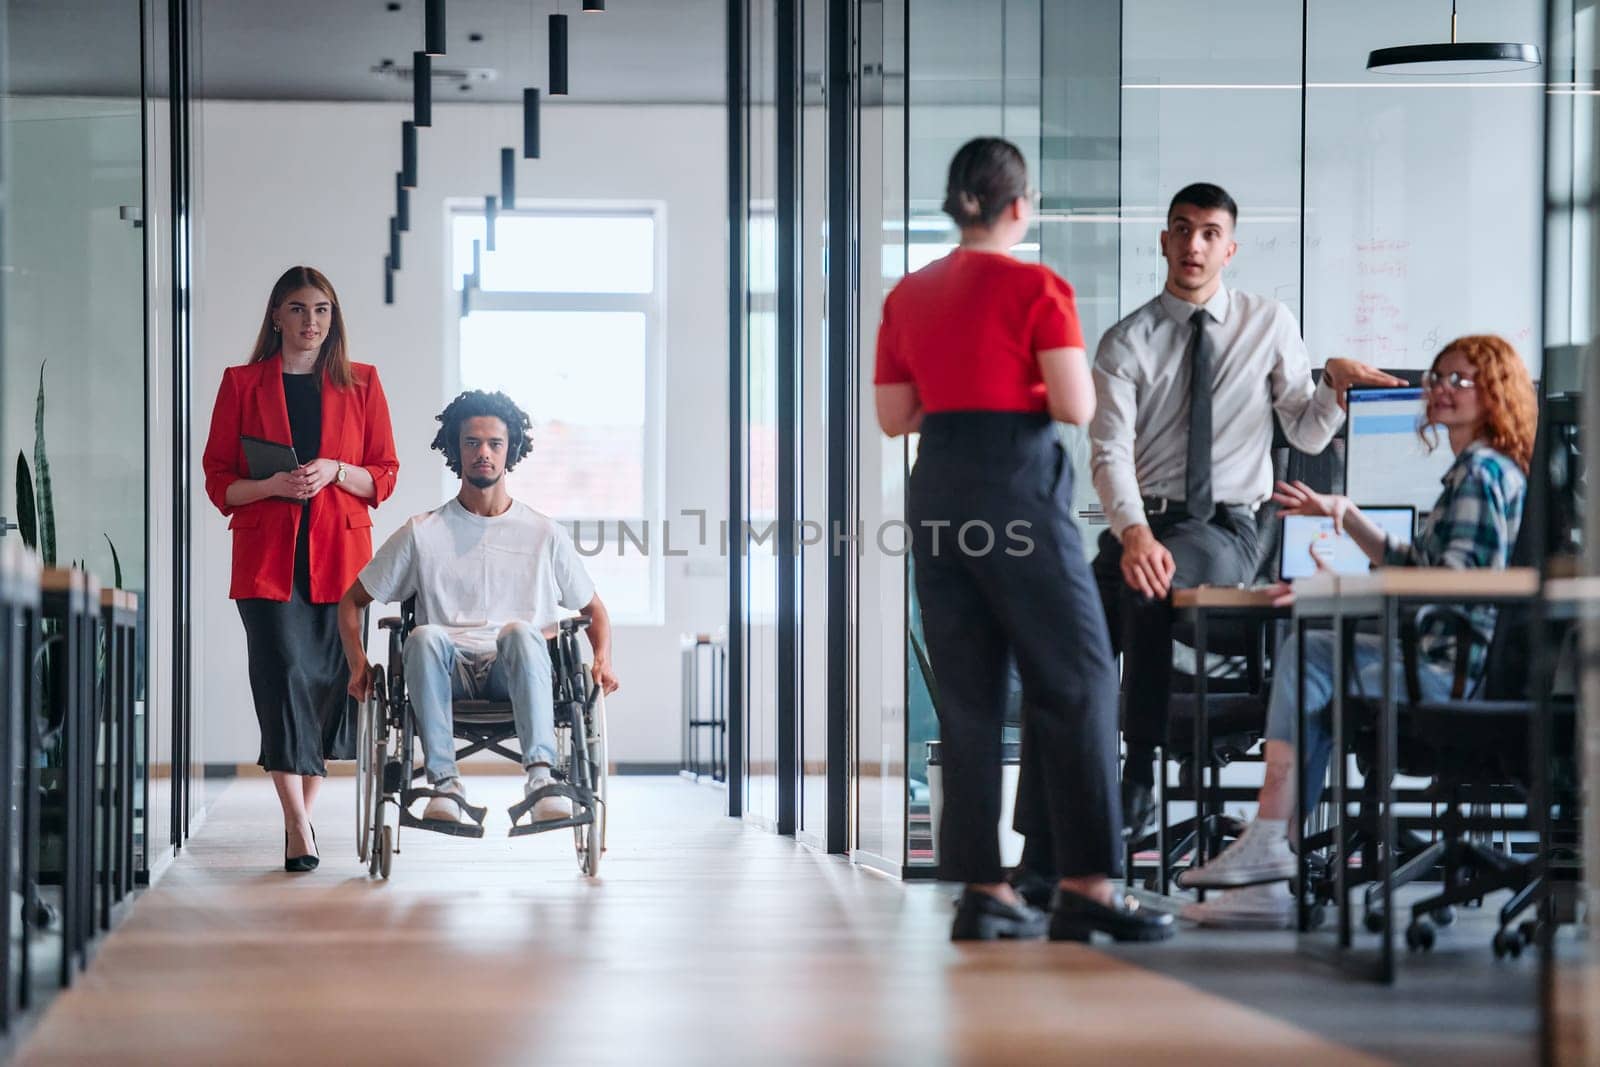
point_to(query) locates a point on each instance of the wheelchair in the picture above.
(386, 765)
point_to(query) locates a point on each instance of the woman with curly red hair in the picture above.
(1479, 392)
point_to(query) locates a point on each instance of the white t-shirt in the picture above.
(472, 574)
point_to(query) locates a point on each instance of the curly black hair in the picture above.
(470, 405)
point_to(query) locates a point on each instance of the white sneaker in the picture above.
(442, 809)
(1259, 855)
(1269, 906)
(547, 808)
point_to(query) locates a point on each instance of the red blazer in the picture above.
(355, 429)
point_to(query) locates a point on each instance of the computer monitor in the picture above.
(1384, 460)
(1304, 535)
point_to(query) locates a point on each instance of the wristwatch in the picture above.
(340, 476)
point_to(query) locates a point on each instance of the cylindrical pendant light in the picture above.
(477, 262)
(489, 212)
(466, 300)
(433, 28)
(408, 154)
(558, 55)
(421, 89)
(388, 281)
(530, 124)
(508, 179)
(394, 243)
(402, 204)
(594, 5)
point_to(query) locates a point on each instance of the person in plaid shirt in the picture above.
(1479, 392)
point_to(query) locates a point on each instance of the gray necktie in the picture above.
(1197, 476)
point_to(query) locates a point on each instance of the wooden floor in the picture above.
(703, 942)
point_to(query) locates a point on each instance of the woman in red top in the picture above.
(979, 352)
(300, 536)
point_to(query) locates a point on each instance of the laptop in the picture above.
(1303, 535)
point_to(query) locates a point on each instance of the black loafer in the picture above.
(981, 917)
(1138, 809)
(1074, 917)
(1034, 888)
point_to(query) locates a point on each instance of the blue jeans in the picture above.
(1365, 668)
(517, 670)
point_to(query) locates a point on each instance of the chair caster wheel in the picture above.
(1419, 936)
(1507, 943)
(1445, 916)
(1528, 930)
(1373, 921)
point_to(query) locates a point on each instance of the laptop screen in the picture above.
(1384, 458)
(1307, 538)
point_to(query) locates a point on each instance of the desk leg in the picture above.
(1202, 748)
(1385, 794)
(1302, 913)
(1341, 837)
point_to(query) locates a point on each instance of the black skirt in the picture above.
(297, 670)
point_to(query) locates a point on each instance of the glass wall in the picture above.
(878, 763)
(1570, 414)
(760, 416)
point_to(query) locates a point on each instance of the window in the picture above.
(566, 320)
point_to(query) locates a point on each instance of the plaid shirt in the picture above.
(1473, 524)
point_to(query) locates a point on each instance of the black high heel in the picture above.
(300, 864)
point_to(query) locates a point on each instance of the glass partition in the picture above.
(1569, 414)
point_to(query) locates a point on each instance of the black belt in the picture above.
(1160, 505)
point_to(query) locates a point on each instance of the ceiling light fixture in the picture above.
(530, 124)
(558, 55)
(1456, 57)
(394, 243)
(408, 154)
(508, 179)
(421, 89)
(433, 28)
(489, 212)
(388, 281)
(402, 203)
(594, 5)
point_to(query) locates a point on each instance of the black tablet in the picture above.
(266, 458)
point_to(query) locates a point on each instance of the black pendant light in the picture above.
(489, 212)
(408, 154)
(421, 89)
(394, 243)
(558, 55)
(1456, 57)
(402, 204)
(508, 179)
(388, 281)
(594, 5)
(433, 28)
(530, 124)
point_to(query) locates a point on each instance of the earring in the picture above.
(275, 328)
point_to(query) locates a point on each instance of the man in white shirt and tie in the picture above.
(1181, 471)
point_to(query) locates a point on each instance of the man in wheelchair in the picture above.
(491, 578)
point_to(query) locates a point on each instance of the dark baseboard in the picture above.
(631, 768)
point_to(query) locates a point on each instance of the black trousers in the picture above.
(1026, 592)
(1220, 549)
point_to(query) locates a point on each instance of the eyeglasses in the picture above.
(1455, 380)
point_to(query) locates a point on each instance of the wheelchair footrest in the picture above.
(442, 826)
(583, 816)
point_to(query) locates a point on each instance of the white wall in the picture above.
(287, 183)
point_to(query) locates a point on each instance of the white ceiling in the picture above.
(637, 51)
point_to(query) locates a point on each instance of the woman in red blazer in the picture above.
(300, 536)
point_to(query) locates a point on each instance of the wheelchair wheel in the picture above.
(369, 769)
(590, 838)
(385, 855)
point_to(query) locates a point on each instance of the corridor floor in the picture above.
(703, 942)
